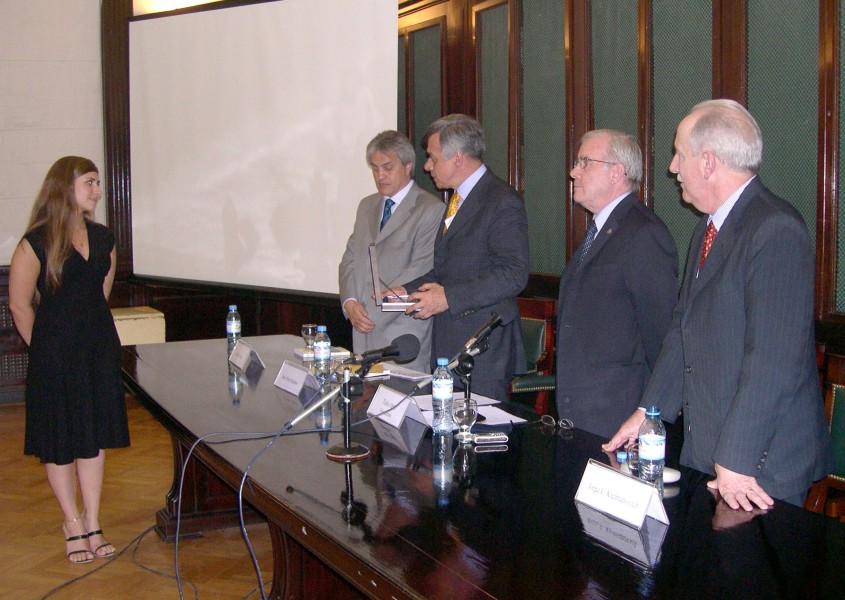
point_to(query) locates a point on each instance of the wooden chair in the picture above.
(817, 499)
(537, 321)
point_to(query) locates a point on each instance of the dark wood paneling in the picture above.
(730, 50)
(645, 99)
(579, 104)
(114, 18)
(827, 213)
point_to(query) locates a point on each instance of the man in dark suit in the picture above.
(739, 358)
(401, 220)
(480, 257)
(617, 292)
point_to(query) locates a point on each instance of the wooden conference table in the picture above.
(507, 527)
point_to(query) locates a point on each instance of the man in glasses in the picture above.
(739, 358)
(616, 293)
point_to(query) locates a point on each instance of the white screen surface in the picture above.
(248, 130)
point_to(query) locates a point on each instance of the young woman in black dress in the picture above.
(60, 278)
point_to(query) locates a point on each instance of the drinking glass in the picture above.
(309, 332)
(465, 411)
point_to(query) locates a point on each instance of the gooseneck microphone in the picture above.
(477, 344)
(456, 362)
(481, 334)
(405, 348)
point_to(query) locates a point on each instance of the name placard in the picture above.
(241, 355)
(392, 407)
(292, 378)
(621, 496)
(246, 360)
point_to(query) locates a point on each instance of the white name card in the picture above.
(621, 496)
(242, 354)
(292, 378)
(246, 360)
(392, 407)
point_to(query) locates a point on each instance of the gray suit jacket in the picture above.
(405, 249)
(739, 358)
(482, 262)
(613, 313)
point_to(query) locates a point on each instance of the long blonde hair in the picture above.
(55, 208)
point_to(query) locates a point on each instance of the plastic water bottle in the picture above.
(322, 355)
(233, 327)
(442, 466)
(441, 398)
(652, 448)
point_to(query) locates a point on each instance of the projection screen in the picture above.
(248, 129)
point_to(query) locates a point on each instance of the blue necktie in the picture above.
(388, 204)
(584, 248)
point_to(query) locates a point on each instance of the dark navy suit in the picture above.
(613, 311)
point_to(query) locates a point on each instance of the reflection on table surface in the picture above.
(504, 524)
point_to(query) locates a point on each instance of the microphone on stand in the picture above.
(404, 348)
(477, 344)
(460, 359)
(482, 334)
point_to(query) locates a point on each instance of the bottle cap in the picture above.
(621, 456)
(233, 307)
(321, 329)
(652, 411)
(442, 362)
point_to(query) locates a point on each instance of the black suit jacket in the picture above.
(739, 358)
(482, 262)
(613, 311)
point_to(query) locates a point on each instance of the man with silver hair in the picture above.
(402, 221)
(739, 358)
(618, 291)
(480, 257)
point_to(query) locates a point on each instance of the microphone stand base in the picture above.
(353, 453)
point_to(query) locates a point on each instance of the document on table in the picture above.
(492, 415)
(424, 400)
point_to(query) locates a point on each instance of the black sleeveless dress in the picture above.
(74, 396)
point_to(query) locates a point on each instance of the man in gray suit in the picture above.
(402, 221)
(480, 257)
(739, 358)
(617, 292)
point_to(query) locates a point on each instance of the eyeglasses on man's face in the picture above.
(584, 161)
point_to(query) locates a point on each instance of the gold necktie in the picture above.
(452, 209)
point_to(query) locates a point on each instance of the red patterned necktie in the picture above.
(709, 236)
